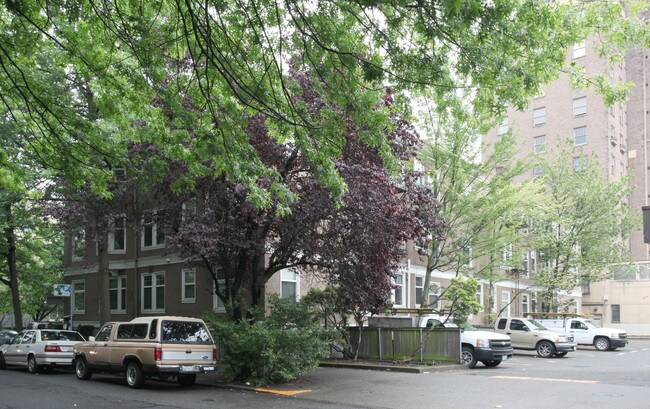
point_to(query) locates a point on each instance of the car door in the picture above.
(580, 332)
(24, 348)
(519, 334)
(12, 348)
(100, 350)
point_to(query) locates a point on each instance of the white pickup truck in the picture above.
(487, 347)
(587, 332)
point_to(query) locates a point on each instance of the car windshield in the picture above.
(61, 336)
(537, 325)
(468, 327)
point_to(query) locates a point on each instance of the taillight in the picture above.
(157, 354)
(52, 348)
(214, 354)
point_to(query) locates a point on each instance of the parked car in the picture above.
(588, 332)
(40, 349)
(6, 335)
(530, 335)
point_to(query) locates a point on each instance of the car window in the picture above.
(29, 338)
(517, 325)
(185, 332)
(132, 331)
(17, 338)
(502, 323)
(61, 336)
(104, 333)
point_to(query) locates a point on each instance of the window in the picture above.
(580, 106)
(153, 235)
(119, 174)
(507, 253)
(189, 286)
(117, 294)
(132, 331)
(579, 49)
(525, 304)
(104, 333)
(434, 295)
(539, 116)
(616, 313)
(419, 288)
(399, 289)
(479, 295)
(503, 127)
(580, 135)
(525, 264)
(217, 304)
(533, 261)
(79, 296)
(289, 287)
(117, 235)
(540, 144)
(466, 253)
(538, 171)
(78, 244)
(189, 209)
(505, 303)
(580, 163)
(153, 292)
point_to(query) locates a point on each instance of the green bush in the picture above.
(273, 349)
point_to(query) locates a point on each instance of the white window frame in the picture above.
(189, 209)
(217, 304)
(539, 116)
(434, 285)
(505, 303)
(576, 135)
(420, 286)
(295, 279)
(399, 284)
(479, 296)
(580, 163)
(539, 144)
(525, 304)
(153, 288)
(155, 244)
(76, 292)
(185, 284)
(114, 232)
(538, 171)
(580, 106)
(121, 300)
(579, 49)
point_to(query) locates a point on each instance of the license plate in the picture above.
(208, 368)
(505, 358)
(66, 349)
(188, 368)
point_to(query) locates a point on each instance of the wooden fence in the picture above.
(414, 344)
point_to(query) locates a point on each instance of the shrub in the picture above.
(273, 349)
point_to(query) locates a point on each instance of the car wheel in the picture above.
(491, 364)
(3, 363)
(134, 375)
(186, 380)
(81, 369)
(31, 364)
(601, 344)
(468, 358)
(545, 349)
(560, 354)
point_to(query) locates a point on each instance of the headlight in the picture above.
(561, 338)
(482, 343)
(614, 335)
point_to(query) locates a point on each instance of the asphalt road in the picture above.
(583, 379)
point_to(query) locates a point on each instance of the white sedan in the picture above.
(40, 349)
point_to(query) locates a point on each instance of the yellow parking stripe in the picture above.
(286, 393)
(529, 378)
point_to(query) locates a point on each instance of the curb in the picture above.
(388, 368)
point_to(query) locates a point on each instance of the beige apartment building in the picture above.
(618, 136)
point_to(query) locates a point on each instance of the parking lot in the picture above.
(583, 379)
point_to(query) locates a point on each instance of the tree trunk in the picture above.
(103, 278)
(13, 271)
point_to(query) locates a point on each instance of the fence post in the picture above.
(421, 347)
(379, 338)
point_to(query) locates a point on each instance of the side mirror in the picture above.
(91, 339)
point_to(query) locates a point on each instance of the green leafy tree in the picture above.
(479, 199)
(581, 226)
(82, 80)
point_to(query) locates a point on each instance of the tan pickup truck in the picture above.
(147, 347)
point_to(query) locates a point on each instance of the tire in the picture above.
(492, 364)
(186, 381)
(467, 357)
(560, 354)
(134, 375)
(602, 344)
(545, 349)
(3, 363)
(31, 365)
(81, 369)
